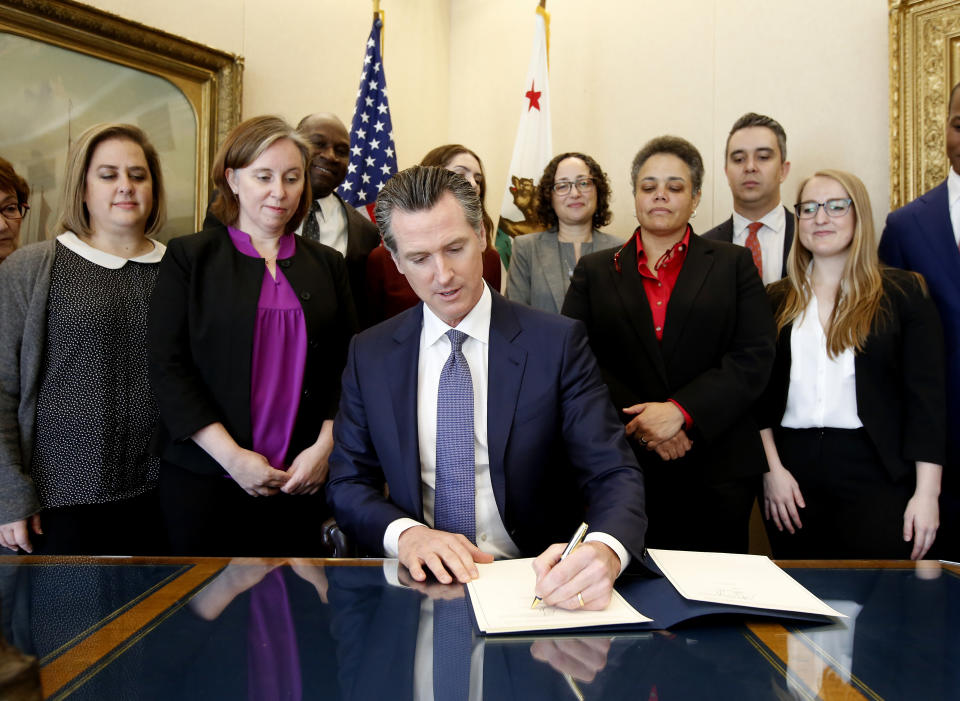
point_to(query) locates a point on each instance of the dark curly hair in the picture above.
(602, 215)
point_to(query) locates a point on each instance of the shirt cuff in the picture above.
(391, 536)
(613, 544)
(687, 421)
(391, 572)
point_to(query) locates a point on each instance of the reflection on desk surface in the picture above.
(209, 628)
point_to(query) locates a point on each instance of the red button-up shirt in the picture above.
(658, 282)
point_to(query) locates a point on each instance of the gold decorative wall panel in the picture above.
(924, 65)
(67, 65)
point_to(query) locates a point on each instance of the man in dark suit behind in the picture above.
(923, 236)
(756, 164)
(542, 450)
(331, 220)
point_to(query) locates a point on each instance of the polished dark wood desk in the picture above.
(210, 628)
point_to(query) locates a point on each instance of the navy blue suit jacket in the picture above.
(558, 454)
(919, 237)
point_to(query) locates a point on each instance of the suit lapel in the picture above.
(551, 263)
(787, 242)
(633, 302)
(695, 269)
(943, 246)
(726, 230)
(506, 362)
(353, 245)
(403, 369)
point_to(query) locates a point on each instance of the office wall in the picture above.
(622, 71)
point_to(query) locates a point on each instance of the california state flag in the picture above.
(532, 150)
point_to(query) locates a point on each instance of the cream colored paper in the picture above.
(738, 580)
(502, 594)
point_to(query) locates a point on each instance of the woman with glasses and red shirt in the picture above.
(573, 203)
(854, 416)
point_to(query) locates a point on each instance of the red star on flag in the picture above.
(534, 97)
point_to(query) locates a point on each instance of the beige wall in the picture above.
(622, 71)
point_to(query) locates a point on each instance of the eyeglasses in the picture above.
(562, 187)
(14, 211)
(833, 208)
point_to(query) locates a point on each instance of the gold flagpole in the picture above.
(542, 10)
(377, 12)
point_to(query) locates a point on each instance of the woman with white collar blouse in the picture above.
(854, 418)
(76, 410)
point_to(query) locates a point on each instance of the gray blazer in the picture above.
(537, 276)
(24, 288)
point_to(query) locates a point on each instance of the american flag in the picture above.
(373, 158)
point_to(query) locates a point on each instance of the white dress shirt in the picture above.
(823, 390)
(332, 222)
(423, 653)
(771, 236)
(953, 195)
(492, 535)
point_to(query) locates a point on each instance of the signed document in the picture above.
(737, 580)
(501, 598)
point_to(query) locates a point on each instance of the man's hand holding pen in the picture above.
(584, 579)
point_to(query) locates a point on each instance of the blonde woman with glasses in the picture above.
(854, 416)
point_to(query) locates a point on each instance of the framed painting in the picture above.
(924, 66)
(68, 66)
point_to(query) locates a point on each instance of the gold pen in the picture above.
(574, 542)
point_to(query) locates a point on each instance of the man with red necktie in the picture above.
(756, 165)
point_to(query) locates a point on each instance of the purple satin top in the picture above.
(279, 356)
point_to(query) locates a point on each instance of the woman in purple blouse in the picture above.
(249, 327)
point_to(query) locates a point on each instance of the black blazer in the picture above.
(714, 360)
(201, 326)
(724, 232)
(362, 237)
(901, 399)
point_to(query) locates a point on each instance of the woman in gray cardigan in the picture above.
(76, 410)
(573, 203)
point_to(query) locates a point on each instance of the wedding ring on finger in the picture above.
(580, 598)
(643, 441)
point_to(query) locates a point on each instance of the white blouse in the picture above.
(823, 390)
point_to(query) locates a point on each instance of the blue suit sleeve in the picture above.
(355, 490)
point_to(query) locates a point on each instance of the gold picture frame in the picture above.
(208, 79)
(924, 66)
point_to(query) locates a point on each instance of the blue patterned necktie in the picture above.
(454, 503)
(454, 512)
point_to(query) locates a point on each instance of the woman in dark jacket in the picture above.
(684, 337)
(249, 328)
(854, 416)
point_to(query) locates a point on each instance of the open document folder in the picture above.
(501, 598)
(748, 584)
